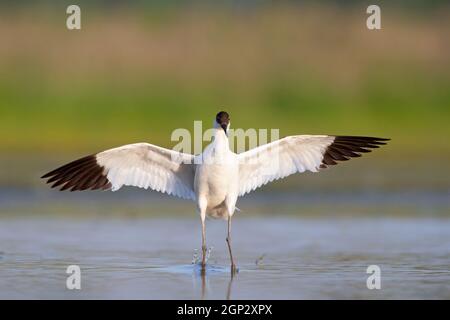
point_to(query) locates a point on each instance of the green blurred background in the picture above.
(138, 70)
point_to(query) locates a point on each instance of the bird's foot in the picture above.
(234, 269)
(203, 270)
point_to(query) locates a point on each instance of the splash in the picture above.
(197, 258)
(260, 259)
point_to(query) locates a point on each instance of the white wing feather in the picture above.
(280, 159)
(146, 166)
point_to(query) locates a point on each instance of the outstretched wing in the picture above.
(141, 165)
(293, 154)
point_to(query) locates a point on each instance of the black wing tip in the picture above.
(79, 175)
(362, 138)
(69, 165)
(344, 148)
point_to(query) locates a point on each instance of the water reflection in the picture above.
(230, 283)
(201, 278)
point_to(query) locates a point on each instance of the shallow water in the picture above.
(278, 258)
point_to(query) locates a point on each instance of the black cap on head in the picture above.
(223, 119)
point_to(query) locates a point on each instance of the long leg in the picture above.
(233, 266)
(203, 244)
(202, 204)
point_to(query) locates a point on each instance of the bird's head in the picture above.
(222, 121)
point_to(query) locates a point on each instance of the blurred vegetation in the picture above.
(135, 73)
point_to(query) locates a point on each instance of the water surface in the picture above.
(278, 258)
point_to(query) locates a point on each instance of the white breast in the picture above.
(216, 178)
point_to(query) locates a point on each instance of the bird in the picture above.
(213, 179)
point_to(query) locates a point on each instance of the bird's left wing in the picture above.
(141, 165)
(293, 154)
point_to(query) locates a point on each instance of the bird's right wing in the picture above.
(141, 165)
(293, 154)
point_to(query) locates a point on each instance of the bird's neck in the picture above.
(221, 139)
